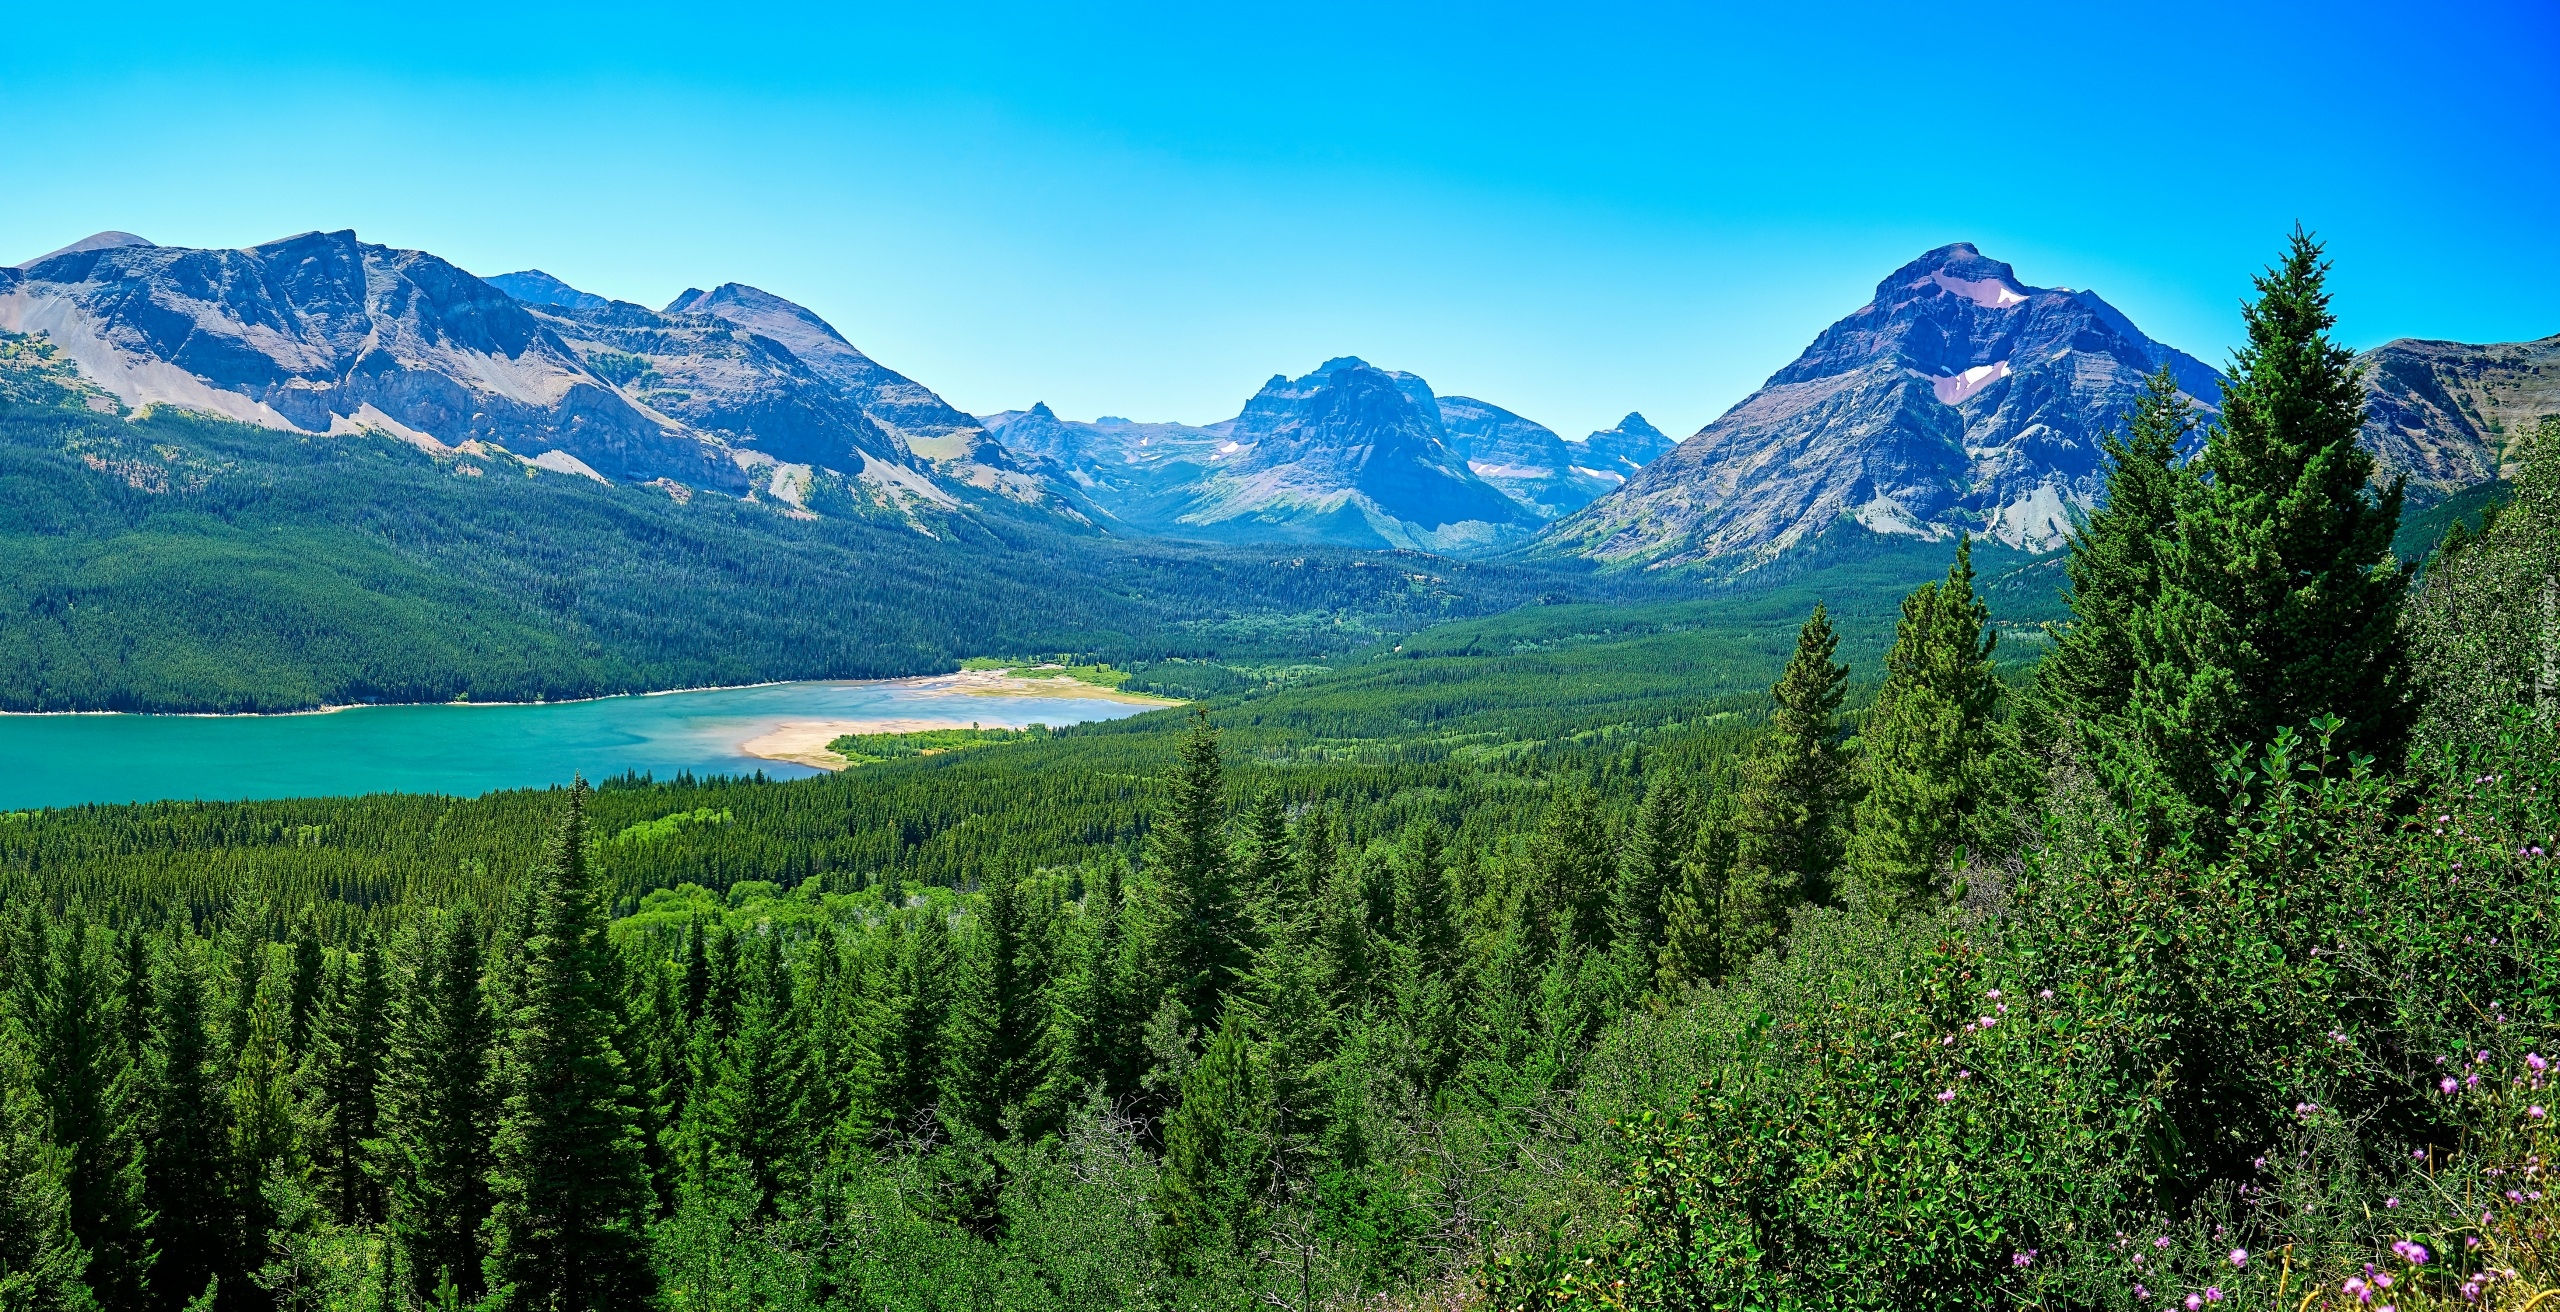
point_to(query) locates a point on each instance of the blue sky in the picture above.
(1568, 210)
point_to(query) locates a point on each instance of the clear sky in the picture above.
(1571, 210)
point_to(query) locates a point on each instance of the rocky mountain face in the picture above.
(1523, 459)
(322, 333)
(2448, 415)
(1959, 398)
(733, 390)
(1625, 449)
(1349, 455)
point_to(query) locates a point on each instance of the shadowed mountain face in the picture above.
(1350, 455)
(2448, 415)
(1958, 399)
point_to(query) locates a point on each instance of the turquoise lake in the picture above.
(64, 760)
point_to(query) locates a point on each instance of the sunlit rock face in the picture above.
(1958, 399)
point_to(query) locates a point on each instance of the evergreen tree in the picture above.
(2085, 681)
(994, 1044)
(567, 1231)
(1788, 821)
(342, 1077)
(2281, 601)
(40, 1262)
(1928, 767)
(1267, 877)
(697, 971)
(907, 1048)
(754, 1114)
(1198, 932)
(1102, 1006)
(86, 1087)
(1216, 1150)
(265, 1145)
(1572, 876)
(1704, 936)
(1424, 919)
(308, 971)
(1652, 872)
(186, 1140)
(438, 1108)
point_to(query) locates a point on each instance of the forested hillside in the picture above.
(1747, 953)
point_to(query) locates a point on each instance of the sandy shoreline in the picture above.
(804, 742)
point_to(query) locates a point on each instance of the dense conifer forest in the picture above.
(2196, 950)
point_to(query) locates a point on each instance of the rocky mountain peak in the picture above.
(110, 240)
(534, 287)
(1959, 399)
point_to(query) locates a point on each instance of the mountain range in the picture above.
(1959, 398)
(1348, 453)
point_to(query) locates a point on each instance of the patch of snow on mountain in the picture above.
(1989, 293)
(1952, 390)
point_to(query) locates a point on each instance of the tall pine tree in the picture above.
(1789, 818)
(1929, 766)
(439, 1108)
(568, 1230)
(85, 1082)
(342, 1083)
(2281, 601)
(1199, 931)
(996, 1043)
(186, 1138)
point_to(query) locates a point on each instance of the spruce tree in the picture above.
(186, 1140)
(342, 1078)
(1789, 818)
(2085, 681)
(1101, 1004)
(87, 1088)
(1199, 935)
(1267, 876)
(1572, 876)
(1425, 921)
(907, 1047)
(1928, 769)
(265, 1142)
(1216, 1150)
(438, 1108)
(1702, 938)
(2282, 600)
(1651, 872)
(754, 1114)
(995, 1038)
(308, 971)
(40, 1261)
(567, 1231)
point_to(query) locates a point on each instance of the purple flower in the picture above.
(2239, 1257)
(2534, 1061)
(2161, 1242)
(2194, 1301)
(2047, 995)
(2213, 1293)
(2534, 1112)
(2447, 1084)
(2023, 1260)
(2140, 1292)
(1995, 995)
(1946, 1095)
(2390, 1202)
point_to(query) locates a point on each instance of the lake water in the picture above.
(62, 760)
